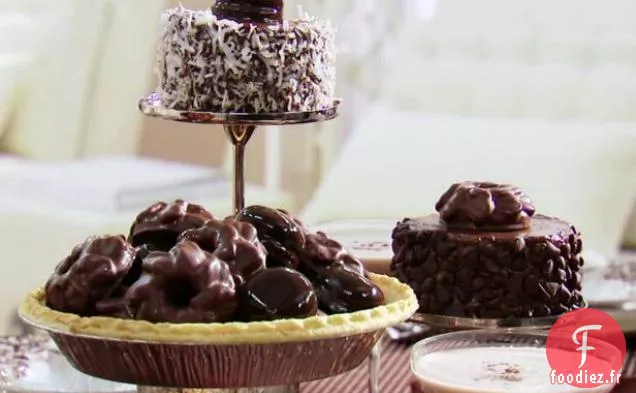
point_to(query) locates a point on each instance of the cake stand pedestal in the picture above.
(239, 128)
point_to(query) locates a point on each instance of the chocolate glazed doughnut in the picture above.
(185, 285)
(161, 224)
(341, 281)
(115, 304)
(282, 236)
(234, 242)
(277, 293)
(249, 11)
(321, 252)
(89, 274)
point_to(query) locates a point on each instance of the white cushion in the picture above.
(51, 118)
(19, 32)
(12, 73)
(397, 163)
(536, 59)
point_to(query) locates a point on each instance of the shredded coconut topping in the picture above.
(218, 65)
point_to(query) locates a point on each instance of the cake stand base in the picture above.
(277, 389)
(239, 128)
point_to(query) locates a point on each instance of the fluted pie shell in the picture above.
(221, 355)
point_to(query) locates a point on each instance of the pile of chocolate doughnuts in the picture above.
(181, 264)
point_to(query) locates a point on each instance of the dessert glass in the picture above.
(368, 240)
(489, 361)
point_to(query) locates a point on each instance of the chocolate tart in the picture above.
(221, 355)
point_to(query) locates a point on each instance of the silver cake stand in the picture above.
(239, 128)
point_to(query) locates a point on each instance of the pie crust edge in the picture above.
(401, 304)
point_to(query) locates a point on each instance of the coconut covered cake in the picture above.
(243, 57)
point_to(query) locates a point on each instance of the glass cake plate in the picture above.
(449, 323)
(32, 363)
(239, 128)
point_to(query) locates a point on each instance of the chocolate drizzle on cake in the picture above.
(250, 11)
(484, 205)
(488, 255)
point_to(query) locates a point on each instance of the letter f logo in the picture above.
(583, 330)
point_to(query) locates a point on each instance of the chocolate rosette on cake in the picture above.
(208, 293)
(488, 254)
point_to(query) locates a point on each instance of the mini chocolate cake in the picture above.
(242, 57)
(488, 255)
(180, 264)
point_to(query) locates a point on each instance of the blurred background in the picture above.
(538, 93)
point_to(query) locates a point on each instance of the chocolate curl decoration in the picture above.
(485, 206)
(264, 12)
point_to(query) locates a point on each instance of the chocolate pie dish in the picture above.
(215, 296)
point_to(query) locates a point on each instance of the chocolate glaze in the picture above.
(250, 11)
(116, 305)
(234, 242)
(534, 272)
(342, 291)
(189, 267)
(205, 236)
(324, 261)
(278, 255)
(137, 267)
(483, 205)
(321, 252)
(185, 285)
(277, 293)
(280, 233)
(161, 224)
(89, 274)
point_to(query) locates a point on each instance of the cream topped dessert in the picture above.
(495, 369)
(367, 240)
